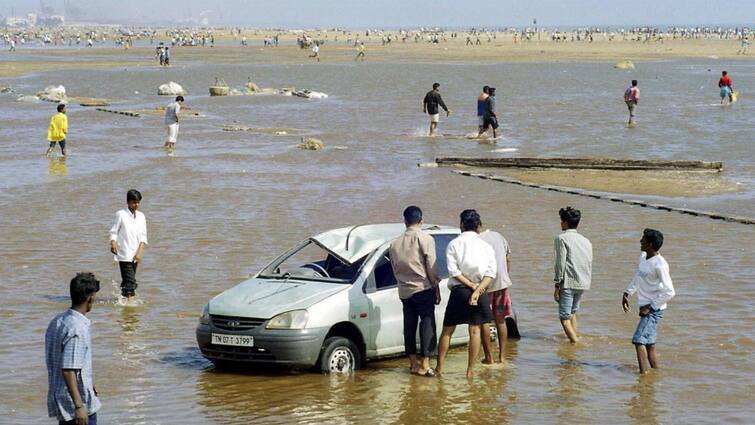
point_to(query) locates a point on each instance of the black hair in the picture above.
(412, 215)
(61, 106)
(491, 90)
(82, 286)
(634, 83)
(133, 195)
(653, 237)
(571, 216)
(436, 85)
(485, 89)
(470, 220)
(179, 98)
(724, 72)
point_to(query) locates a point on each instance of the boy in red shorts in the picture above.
(498, 292)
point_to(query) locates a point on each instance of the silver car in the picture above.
(331, 302)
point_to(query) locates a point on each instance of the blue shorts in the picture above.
(568, 302)
(647, 328)
(725, 91)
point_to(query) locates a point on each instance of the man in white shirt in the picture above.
(172, 112)
(128, 236)
(498, 292)
(654, 288)
(471, 266)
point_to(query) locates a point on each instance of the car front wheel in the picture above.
(339, 355)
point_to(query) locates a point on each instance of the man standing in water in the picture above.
(725, 86)
(471, 267)
(498, 292)
(58, 129)
(430, 106)
(128, 237)
(489, 118)
(71, 395)
(573, 270)
(654, 288)
(481, 106)
(172, 113)
(413, 261)
(632, 98)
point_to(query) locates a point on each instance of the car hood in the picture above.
(266, 298)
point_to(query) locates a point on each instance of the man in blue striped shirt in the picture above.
(71, 397)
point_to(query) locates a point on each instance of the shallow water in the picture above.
(228, 202)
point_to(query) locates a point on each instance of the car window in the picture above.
(383, 272)
(311, 261)
(441, 243)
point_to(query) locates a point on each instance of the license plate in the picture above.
(235, 340)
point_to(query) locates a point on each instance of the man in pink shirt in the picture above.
(632, 98)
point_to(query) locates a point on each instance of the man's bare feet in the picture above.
(487, 360)
(470, 374)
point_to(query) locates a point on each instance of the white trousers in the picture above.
(173, 133)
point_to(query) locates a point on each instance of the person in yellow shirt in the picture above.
(58, 129)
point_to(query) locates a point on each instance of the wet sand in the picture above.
(660, 183)
(454, 51)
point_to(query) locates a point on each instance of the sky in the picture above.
(405, 13)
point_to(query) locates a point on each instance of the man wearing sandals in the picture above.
(412, 258)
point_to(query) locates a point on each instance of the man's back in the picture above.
(171, 113)
(413, 261)
(573, 260)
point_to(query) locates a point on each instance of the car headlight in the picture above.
(204, 319)
(295, 319)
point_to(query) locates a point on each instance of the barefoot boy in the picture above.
(573, 270)
(56, 132)
(128, 236)
(654, 288)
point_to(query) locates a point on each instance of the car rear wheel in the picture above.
(339, 355)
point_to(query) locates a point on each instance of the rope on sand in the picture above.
(613, 198)
(127, 113)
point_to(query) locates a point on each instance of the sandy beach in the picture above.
(502, 49)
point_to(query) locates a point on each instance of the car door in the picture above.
(385, 310)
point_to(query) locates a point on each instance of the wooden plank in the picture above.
(584, 163)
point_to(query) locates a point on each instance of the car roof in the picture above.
(352, 243)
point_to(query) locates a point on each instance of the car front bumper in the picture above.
(295, 348)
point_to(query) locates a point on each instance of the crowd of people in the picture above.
(478, 266)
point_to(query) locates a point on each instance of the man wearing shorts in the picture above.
(498, 292)
(725, 86)
(573, 270)
(171, 121)
(430, 106)
(472, 267)
(654, 288)
(489, 119)
(57, 131)
(632, 98)
(481, 106)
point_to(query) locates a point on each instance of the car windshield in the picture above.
(311, 262)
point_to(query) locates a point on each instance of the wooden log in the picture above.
(585, 163)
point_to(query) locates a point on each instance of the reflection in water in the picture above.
(643, 406)
(57, 167)
(131, 358)
(571, 385)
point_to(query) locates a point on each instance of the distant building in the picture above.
(51, 21)
(21, 22)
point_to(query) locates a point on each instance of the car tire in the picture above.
(339, 355)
